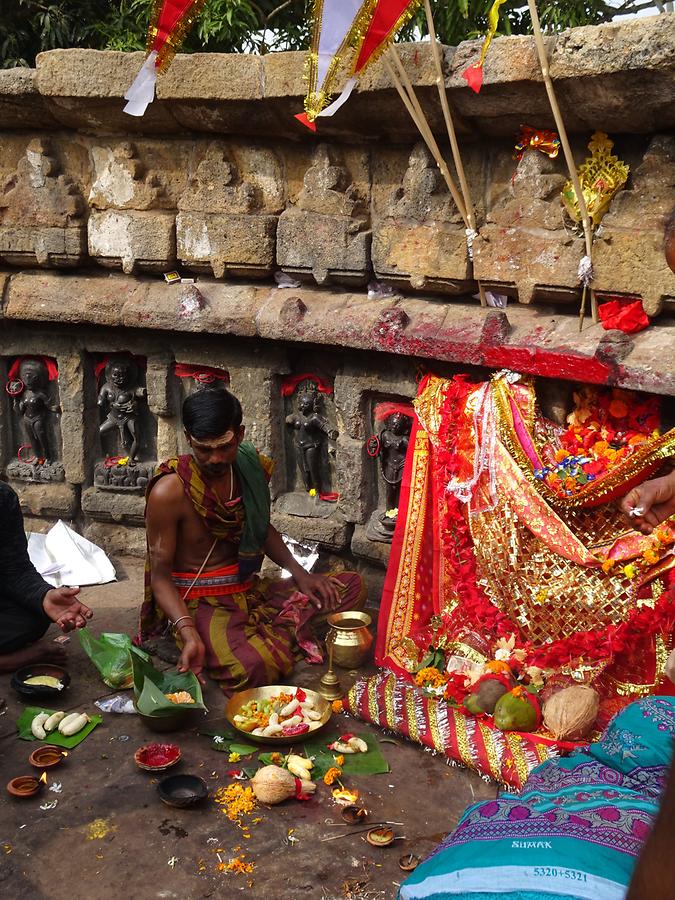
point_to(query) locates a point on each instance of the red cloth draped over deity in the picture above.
(508, 532)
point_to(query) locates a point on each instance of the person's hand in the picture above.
(322, 590)
(192, 657)
(654, 500)
(63, 607)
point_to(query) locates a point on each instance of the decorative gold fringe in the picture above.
(175, 40)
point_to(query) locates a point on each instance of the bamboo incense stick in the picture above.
(452, 137)
(407, 94)
(567, 150)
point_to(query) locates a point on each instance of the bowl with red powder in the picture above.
(157, 757)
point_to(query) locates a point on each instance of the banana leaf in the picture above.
(370, 763)
(151, 686)
(54, 737)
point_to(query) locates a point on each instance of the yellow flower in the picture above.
(234, 757)
(630, 571)
(429, 677)
(650, 556)
(607, 566)
(340, 760)
(312, 492)
(331, 775)
(391, 513)
(337, 706)
(123, 460)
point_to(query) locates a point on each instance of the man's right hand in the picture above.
(655, 501)
(192, 657)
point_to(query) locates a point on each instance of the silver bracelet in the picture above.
(181, 619)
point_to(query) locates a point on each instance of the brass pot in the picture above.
(350, 637)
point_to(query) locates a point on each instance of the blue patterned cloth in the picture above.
(574, 832)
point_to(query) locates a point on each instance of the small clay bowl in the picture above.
(409, 862)
(157, 757)
(380, 837)
(353, 814)
(182, 790)
(24, 786)
(47, 757)
(39, 690)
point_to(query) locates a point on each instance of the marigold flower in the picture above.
(337, 706)
(650, 556)
(340, 760)
(630, 571)
(607, 566)
(331, 775)
(234, 757)
(430, 677)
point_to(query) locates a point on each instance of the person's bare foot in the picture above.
(43, 651)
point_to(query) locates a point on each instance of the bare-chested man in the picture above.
(208, 524)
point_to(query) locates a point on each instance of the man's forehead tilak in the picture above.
(226, 438)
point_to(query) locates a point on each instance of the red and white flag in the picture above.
(170, 22)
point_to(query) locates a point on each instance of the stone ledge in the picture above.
(529, 339)
(617, 76)
(49, 500)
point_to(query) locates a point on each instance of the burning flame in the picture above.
(43, 778)
(344, 796)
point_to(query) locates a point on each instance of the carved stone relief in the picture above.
(225, 219)
(418, 235)
(125, 425)
(128, 227)
(41, 212)
(389, 445)
(32, 386)
(325, 234)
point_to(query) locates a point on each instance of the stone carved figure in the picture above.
(391, 446)
(327, 188)
(217, 187)
(41, 212)
(394, 439)
(34, 405)
(423, 194)
(119, 400)
(312, 429)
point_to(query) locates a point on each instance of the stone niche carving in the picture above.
(128, 228)
(225, 221)
(41, 213)
(389, 445)
(126, 425)
(311, 434)
(419, 237)
(194, 377)
(524, 242)
(325, 233)
(32, 386)
(628, 252)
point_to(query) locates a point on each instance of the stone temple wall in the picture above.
(219, 181)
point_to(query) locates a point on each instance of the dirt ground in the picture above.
(109, 834)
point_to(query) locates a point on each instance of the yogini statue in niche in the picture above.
(312, 429)
(34, 405)
(119, 398)
(391, 446)
(394, 439)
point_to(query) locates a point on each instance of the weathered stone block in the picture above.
(107, 506)
(229, 244)
(131, 239)
(628, 254)
(59, 501)
(325, 233)
(41, 212)
(117, 541)
(374, 551)
(332, 533)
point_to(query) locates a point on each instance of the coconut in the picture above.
(272, 785)
(570, 713)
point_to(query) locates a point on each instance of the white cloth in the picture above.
(63, 557)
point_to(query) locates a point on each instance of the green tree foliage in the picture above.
(28, 27)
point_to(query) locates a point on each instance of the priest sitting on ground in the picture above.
(28, 605)
(208, 527)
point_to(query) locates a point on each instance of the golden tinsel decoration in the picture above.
(601, 176)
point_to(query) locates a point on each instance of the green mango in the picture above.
(514, 713)
(484, 698)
